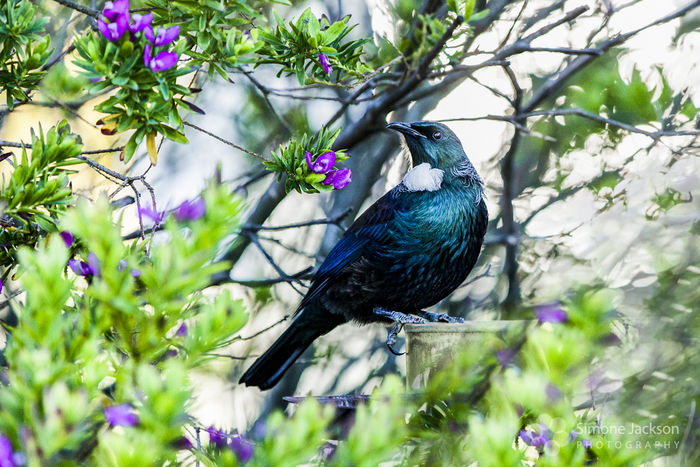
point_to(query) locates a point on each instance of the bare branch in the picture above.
(80, 8)
(655, 135)
(509, 177)
(556, 81)
(328, 220)
(225, 141)
(303, 274)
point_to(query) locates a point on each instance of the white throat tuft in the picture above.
(423, 178)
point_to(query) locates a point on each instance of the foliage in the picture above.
(80, 347)
(23, 51)
(219, 34)
(298, 48)
(38, 190)
(291, 160)
(145, 101)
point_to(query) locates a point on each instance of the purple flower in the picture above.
(67, 238)
(0, 285)
(505, 356)
(140, 22)
(242, 448)
(190, 210)
(532, 438)
(152, 213)
(115, 30)
(183, 443)
(217, 437)
(163, 61)
(122, 265)
(148, 32)
(94, 264)
(81, 268)
(519, 409)
(550, 313)
(163, 36)
(338, 178)
(147, 55)
(573, 434)
(6, 454)
(325, 64)
(526, 436)
(87, 270)
(553, 392)
(586, 443)
(182, 330)
(135, 272)
(115, 9)
(324, 163)
(121, 415)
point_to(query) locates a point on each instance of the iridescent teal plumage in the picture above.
(408, 251)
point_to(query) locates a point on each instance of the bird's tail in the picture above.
(271, 366)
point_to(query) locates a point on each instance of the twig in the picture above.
(655, 135)
(303, 274)
(265, 92)
(80, 8)
(555, 82)
(327, 220)
(289, 279)
(289, 248)
(12, 144)
(225, 141)
(6, 302)
(58, 58)
(264, 330)
(566, 50)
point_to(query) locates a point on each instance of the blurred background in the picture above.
(586, 140)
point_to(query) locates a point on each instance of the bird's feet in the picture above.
(439, 317)
(399, 319)
(397, 316)
(391, 338)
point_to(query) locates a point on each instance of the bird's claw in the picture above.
(398, 317)
(399, 320)
(391, 338)
(439, 317)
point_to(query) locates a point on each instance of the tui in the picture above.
(408, 251)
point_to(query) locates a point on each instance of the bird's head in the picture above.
(433, 143)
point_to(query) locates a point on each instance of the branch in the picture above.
(519, 46)
(5, 303)
(369, 121)
(225, 141)
(328, 220)
(655, 135)
(287, 278)
(303, 274)
(80, 8)
(566, 50)
(557, 81)
(12, 144)
(509, 177)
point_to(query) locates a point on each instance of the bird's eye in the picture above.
(437, 135)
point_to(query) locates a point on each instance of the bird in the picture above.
(406, 252)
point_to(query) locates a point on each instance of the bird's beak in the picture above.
(406, 129)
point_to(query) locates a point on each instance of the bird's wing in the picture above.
(369, 228)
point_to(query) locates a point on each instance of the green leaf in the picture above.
(173, 134)
(468, 9)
